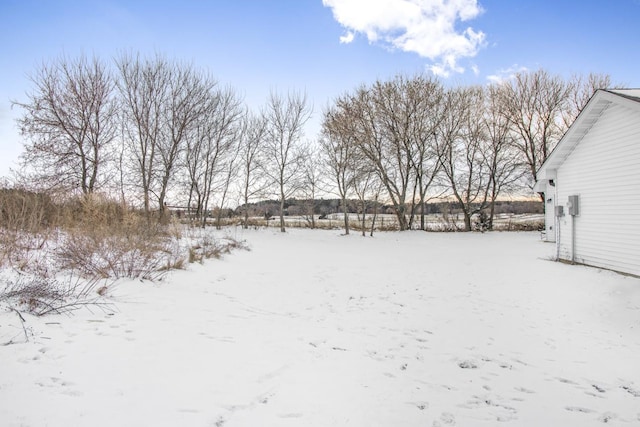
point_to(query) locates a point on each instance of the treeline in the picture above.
(406, 139)
(155, 132)
(324, 207)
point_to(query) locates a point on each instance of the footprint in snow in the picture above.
(579, 409)
(608, 416)
(420, 405)
(566, 381)
(468, 364)
(264, 399)
(291, 415)
(188, 410)
(448, 419)
(631, 391)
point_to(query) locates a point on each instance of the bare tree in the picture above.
(376, 189)
(143, 86)
(395, 123)
(504, 162)
(338, 153)
(581, 90)
(250, 151)
(463, 162)
(211, 148)
(188, 98)
(426, 95)
(366, 188)
(286, 118)
(534, 103)
(374, 112)
(231, 169)
(200, 157)
(69, 122)
(312, 181)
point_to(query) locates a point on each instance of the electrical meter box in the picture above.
(559, 210)
(573, 205)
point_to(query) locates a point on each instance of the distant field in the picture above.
(434, 222)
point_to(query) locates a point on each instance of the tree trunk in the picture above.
(492, 208)
(246, 213)
(375, 215)
(346, 215)
(364, 216)
(282, 229)
(467, 220)
(402, 219)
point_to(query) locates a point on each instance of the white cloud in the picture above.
(347, 38)
(425, 27)
(506, 73)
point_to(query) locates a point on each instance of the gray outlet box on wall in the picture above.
(573, 205)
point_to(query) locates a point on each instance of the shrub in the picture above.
(40, 296)
(93, 238)
(102, 246)
(203, 245)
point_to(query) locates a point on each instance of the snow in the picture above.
(311, 328)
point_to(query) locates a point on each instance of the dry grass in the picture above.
(105, 239)
(25, 226)
(203, 245)
(40, 296)
(90, 238)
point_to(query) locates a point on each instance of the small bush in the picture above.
(104, 238)
(113, 253)
(205, 246)
(40, 296)
(521, 226)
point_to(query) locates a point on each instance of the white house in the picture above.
(591, 184)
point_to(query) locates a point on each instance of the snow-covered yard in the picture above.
(311, 328)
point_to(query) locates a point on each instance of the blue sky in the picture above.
(323, 47)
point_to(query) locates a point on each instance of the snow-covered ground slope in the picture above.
(311, 328)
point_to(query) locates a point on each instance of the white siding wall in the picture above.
(604, 170)
(549, 214)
